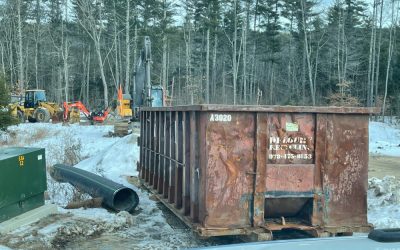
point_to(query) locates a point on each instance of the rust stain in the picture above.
(231, 169)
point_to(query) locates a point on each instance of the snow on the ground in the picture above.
(58, 138)
(384, 139)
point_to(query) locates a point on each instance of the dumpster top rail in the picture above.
(271, 108)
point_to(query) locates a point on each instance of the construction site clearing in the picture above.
(152, 225)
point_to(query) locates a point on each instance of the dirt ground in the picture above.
(381, 166)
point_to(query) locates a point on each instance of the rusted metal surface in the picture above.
(229, 175)
(345, 172)
(285, 179)
(229, 169)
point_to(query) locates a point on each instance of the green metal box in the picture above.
(22, 180)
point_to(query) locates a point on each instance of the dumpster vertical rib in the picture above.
(178, 157)
(320, 156)
(166, 153)
(171, 187)
(148, 146)
(204, 168)
(146, 152)
(152, 148)
(194, 161)
(156, 149)
(261, 164)
(141, 161)
(186, 163)
(143, 145)
(162, 152)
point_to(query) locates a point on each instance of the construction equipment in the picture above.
(144, 93)
(124, 105)
(70, 108)
(36, 108)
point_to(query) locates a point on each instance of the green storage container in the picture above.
(22, 180)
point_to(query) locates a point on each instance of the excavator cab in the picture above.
(157, 96)
(33, 97)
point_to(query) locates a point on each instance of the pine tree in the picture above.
(6, 119)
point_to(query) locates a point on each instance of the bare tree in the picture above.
(234, 54)
(65, 51)
(208, 67)
(116, 47)
(37, 37)
(371, 65)
(395, 12)
(308, 53)
(92, 22)
(21, 80)
(164, 50)
(379, 51)
(128, 48)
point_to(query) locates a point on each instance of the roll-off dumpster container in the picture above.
(230, 170)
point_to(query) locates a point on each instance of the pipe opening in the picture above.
(125, 200)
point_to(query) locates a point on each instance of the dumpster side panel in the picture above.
(345, 170)
(230, 165)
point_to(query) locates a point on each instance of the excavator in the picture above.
(72, 111)
(122, 110)
(144, 93)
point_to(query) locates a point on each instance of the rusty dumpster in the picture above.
(243, 170)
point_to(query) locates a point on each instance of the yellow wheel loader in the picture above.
(36, 108)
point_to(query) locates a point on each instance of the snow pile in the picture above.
(384, 139)
(384, 202)
(116, 161)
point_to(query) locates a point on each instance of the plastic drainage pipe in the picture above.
(114, 195)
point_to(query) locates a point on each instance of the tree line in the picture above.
(273, 52)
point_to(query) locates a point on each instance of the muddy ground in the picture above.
(381, 166)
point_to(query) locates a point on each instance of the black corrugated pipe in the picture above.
(114, 195)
